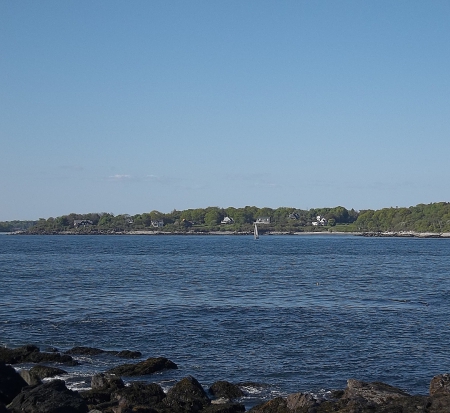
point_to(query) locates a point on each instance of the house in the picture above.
(263, 220)
(82, 223)
(159, 223)
(320, 221)
(227, 220)
(294, 215)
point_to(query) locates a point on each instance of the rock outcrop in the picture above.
(92, 351)
(32, 354)
(149, 366)
(226, 390)
(51, 397)
(11, 383)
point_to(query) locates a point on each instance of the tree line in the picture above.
(434, 217)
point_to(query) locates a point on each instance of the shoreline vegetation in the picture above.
(423, 220)
(26, 390)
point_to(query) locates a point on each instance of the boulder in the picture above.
(11, 383)
(224, 408)
(374, 393)
(102, 386)
(51, 397)
(277, 405)
(128, 354)
(440, 384)
(300, 400)
(439, 403)
(103, 381)
(149, 366)
(31, 353)
(187, 395)
(226, 389)
(43, 372)
(93, 351)
(140, 394)
(85, 351)
(31, 379)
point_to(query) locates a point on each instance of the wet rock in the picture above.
(140, 394)
(149, 366)
(43, 372)
(30, 378)
(277, 405)
(440, 384)
(32, 354)
(93, 351)
(102, 386)
(128, 354)
(51, 397)
(300, 400)
(226, 389)
(10, 383)
(371, 393)
(439, 403)
(187, 395)
(103, 381)
(224, 408)
(85, 351)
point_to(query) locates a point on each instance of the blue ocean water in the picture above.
(289, 313)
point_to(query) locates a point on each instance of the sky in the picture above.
(129, 107)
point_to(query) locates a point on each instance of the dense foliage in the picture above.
(420, 218)
(10, 226)
(433, 217)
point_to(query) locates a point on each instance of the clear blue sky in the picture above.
(127, 107)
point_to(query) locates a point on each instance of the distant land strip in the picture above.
(422, 220)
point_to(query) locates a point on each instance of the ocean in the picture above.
(281, 314)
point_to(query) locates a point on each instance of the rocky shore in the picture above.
(26, 391)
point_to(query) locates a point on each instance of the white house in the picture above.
(227, 220)
(320, 221)
(158, 223)
(263, 220)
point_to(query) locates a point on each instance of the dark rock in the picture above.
(103, 381)
(224, 408)
(31, 353)
(440, 384)
(277, 405)
(3, 408)
(101, 394)
(128, 354)
(43, 372)
(10, 383)
(31, 379)
(300, 400)
(85, 351)
(51, 397)
(371, 393)
(226, 389)
(439, 403)
(17, 355)
(149, 366)
(187, 395)
(141, 394)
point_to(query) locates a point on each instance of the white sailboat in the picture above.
(255, 232)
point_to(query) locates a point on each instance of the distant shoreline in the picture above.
(380, 234)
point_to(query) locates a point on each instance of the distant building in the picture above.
(82, 223)
(227, 220)
(263, 220)
(320, 221)
(159, 223)
(294, 215)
